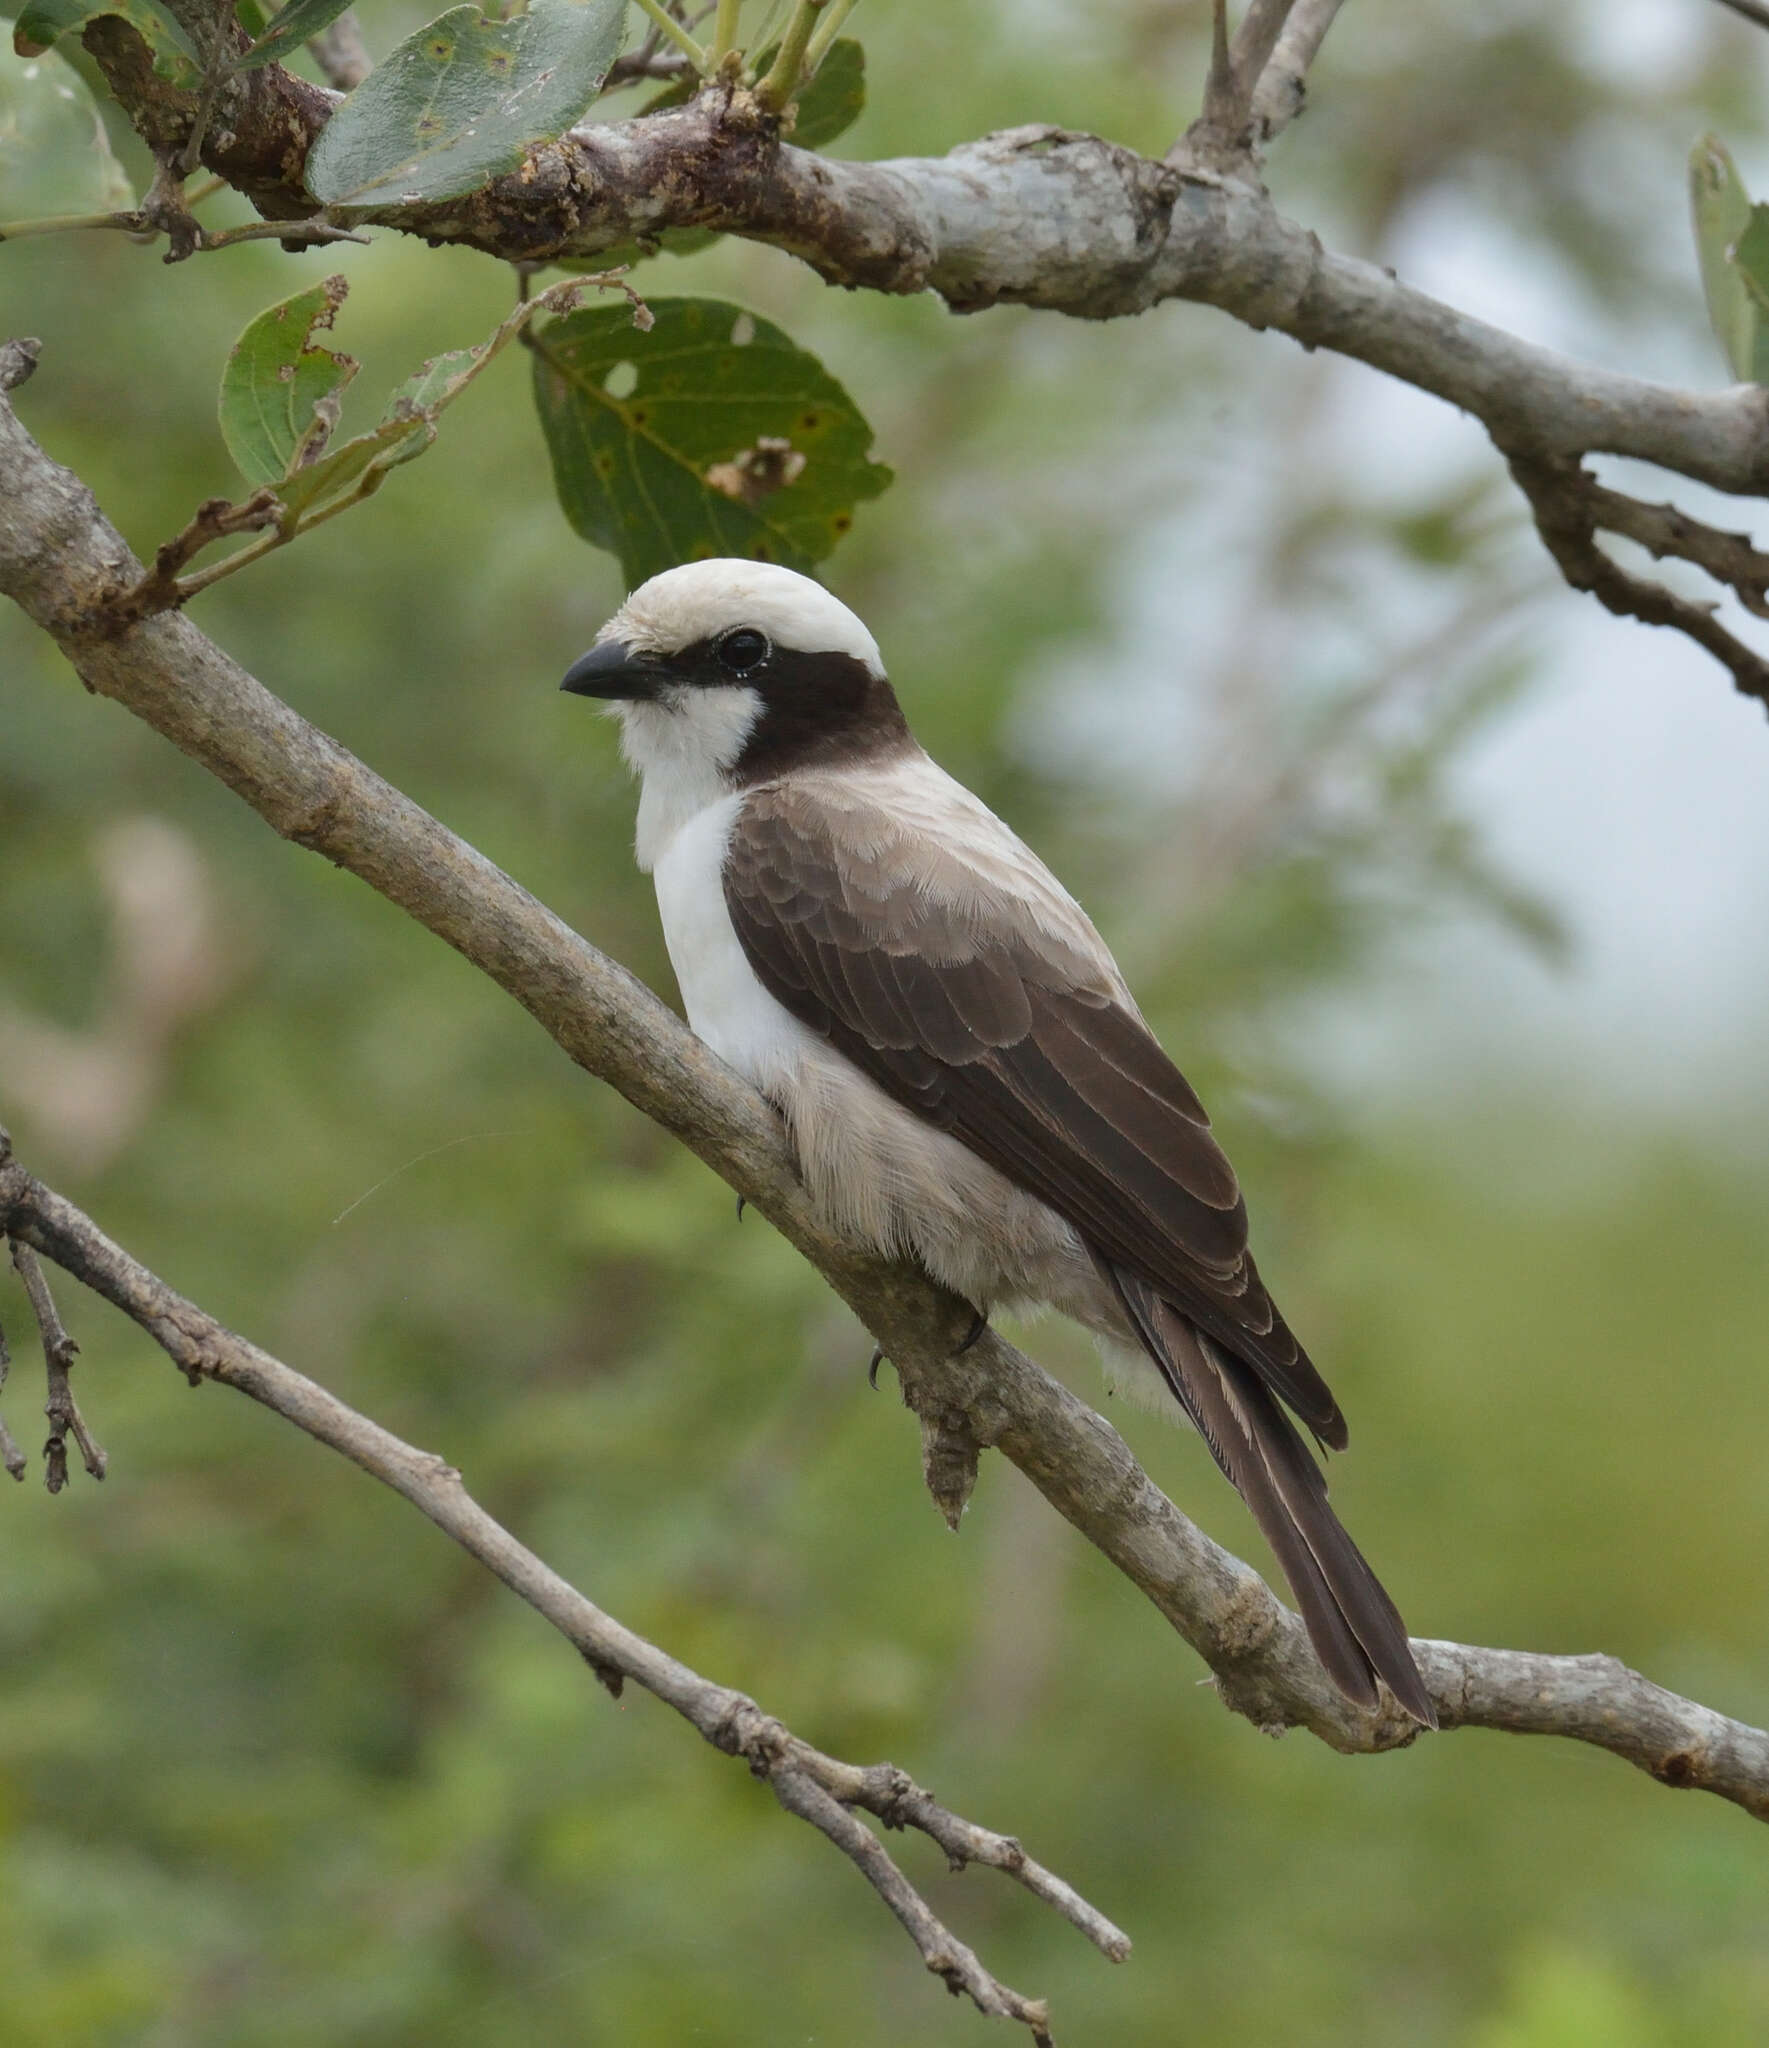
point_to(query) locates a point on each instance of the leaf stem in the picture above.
(827, 31)
(677, 34)
(724, 32)
(782, 82)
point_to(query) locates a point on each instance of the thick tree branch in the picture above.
(820, 1789)
(62, 562)
(1033, 216)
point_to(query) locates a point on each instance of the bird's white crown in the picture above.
(703, 599)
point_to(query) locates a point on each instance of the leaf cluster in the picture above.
(724, 438)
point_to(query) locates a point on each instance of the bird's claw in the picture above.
(979, 1323)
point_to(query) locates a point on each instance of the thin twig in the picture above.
(1225, 128)
(820, 1789)
(11, 1456)
(293, 234)
(1282, 88)
(341, 53)
(130, 223)
(59, 1353)
(1752, 10)
(1571, 507)
(216, 74)
(668, 26)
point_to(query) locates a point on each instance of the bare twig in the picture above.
(1225, 129)
(1571, 507)
(1282, 88)
(11, 1456)
(341, 53)
(59, 1353)
(225, 33)
(293, 234)
(58, 558)
(215, 519)
(818, 1788)
(1752, 10)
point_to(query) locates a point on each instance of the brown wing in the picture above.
(1003, 1022)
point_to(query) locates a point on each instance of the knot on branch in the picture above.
(1107, 225)
(18, 361)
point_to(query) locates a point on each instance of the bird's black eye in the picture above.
(743, 650)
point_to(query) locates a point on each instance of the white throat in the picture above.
(682, 746)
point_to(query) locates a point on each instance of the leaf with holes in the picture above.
(714, 434)
(294, 24)
(55, 156)
(280, 390)
(354, 470)
(44, 22)
(463, 101)
(1732, 242)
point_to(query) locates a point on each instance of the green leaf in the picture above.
(834, 100)
(356, 468)
(297, 22)
(280, 390)
(1732, 242)
(55, 156)
(463, 100)
(44, 22)
(714, 434)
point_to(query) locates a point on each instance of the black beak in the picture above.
(613, 670)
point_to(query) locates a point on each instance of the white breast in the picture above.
(725, 1002)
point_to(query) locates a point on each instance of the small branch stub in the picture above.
(59, 1353)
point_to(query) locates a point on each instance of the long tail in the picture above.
(1355, 1629)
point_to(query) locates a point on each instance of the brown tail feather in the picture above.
(1356, 1631)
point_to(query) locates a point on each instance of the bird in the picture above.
(963, 1073)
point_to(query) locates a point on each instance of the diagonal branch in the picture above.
(62, 561)
(820, 1789)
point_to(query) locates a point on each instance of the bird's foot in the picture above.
(979, 1323)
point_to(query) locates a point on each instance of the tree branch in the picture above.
(1282, 89)
(1571, 508)
(820, 1789)
(1033, 216)
(63, 562)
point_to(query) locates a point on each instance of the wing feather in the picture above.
(980, 998)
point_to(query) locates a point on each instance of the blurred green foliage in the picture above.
(277, 1766)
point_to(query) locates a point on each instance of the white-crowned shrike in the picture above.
(964, 1074)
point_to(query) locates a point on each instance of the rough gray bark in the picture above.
(62, 561)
